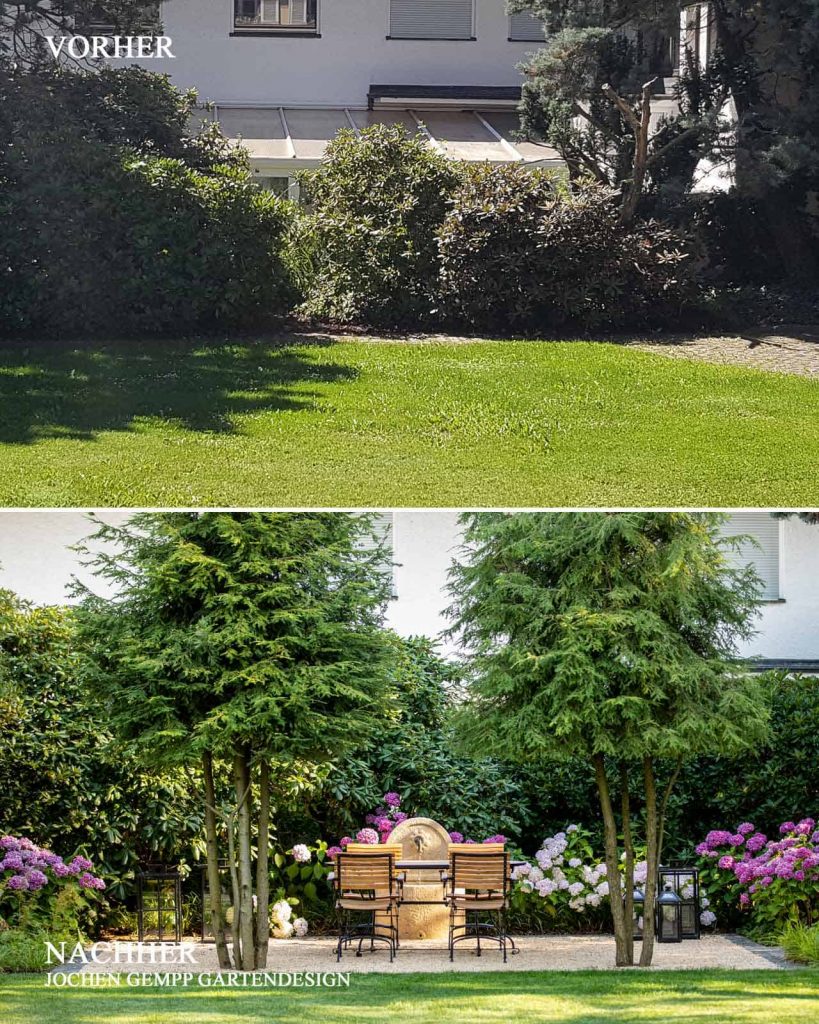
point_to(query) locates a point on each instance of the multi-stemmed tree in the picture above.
(251, 644)
(609, 637)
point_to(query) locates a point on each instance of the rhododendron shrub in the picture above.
(776, 880)
(381, 822)
(34, 882)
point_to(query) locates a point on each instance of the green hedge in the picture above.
(376, 204)
(116, 220)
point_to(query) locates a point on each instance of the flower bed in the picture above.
(42, 898)
(775, 881)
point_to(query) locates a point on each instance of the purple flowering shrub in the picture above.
(34, 881)
(775, 880)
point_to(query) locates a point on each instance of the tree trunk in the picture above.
(652, 865)
(633, 189)
(262, 870)
(234, 887)
(217, 918)
(622, 958)
(241, 773)
(628, 847)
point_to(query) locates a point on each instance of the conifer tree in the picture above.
(611, 637)
(249, 643)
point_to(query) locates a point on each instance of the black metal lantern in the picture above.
(224, 885)
(685, 882)
(638, 900)
(669, 916)
(159, 904)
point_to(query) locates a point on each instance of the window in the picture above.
(525, 27)
(274, 15)
(278, 186)
(762, 526)
(101, 20)
(431, 19)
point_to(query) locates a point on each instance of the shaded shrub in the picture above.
(62, 777)
(376, 204)
(116, 219)
(521, 251)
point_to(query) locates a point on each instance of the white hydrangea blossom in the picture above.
(282, 930)
(301, 853)
(300, 927)
(707, 917)
(281, 912)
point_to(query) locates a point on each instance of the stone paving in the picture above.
(781, 350)
(537, 953)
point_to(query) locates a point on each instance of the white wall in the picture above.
(35, 562)
(35, 557)
(789, 628)
(336, 69)
(425, 541)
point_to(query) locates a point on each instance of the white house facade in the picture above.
(283, 76)
(37, 562)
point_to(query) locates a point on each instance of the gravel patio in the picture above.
(537, 953)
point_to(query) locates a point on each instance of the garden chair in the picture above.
(478, 886)
(366, 885)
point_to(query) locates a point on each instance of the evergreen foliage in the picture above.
(611, 637)
(252, 639)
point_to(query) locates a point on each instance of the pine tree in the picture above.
(611, 637)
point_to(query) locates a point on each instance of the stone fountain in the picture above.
(422, 839)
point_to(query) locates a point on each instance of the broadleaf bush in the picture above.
(522, 251)
(376, 204)
(117, 220)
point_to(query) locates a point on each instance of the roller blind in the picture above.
(525, 26)
(431, 19)
(760, 525)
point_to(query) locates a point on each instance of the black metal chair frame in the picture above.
(349, 931)
(492, 930)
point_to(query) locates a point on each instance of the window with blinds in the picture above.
(383, 532)
(274, 14)
(525, 27)
(431, 19)
(760, 525)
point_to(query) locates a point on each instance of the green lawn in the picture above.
(589, 997)
(327, 421)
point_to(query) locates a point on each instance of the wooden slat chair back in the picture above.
(366, 883)
(478, 884)
(361, 873)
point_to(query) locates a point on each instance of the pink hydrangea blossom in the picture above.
(367, 835)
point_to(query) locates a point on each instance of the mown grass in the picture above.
(330, 421)
(588, 997)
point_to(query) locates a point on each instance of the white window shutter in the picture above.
(525, 26)
(762, 526)
(298, 12)
(431, 19)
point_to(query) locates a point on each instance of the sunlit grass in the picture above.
(326, 421)
(588, 997)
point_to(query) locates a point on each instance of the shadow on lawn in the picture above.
(75, 390)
